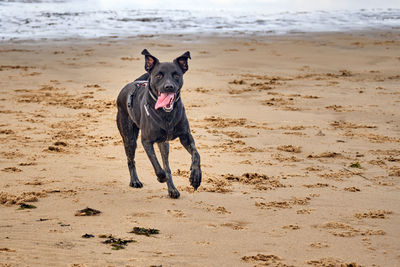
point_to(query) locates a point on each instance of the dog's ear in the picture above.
(150, 60)
(182, 61)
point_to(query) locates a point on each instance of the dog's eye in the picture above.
(159, 76)
(176, 76)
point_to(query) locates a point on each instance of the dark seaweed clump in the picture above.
(87, 212)
(87, 236)
(117, 243)
(145, 231)
(23, 206)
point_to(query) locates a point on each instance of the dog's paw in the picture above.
(162, 176)
(195, 177)
(136, 184)
(173, 193)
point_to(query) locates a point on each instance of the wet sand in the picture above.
(299, 139)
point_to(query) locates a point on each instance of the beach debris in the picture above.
(87, 212)
(145, 231)
(117, 243)
(24, 206)
(357, 174)
(87, 236)
(355, 165)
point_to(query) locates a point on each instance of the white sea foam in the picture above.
(98, 18)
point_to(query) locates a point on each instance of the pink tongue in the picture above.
(164, 99)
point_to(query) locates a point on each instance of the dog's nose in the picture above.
(168, 87)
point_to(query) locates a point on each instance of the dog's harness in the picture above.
(133, 93)
(167, 126)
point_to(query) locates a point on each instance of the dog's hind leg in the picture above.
(164, 150)
(129, 133)
(195, 172)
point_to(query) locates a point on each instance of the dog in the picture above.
(153, 105)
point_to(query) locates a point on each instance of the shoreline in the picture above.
(192, 37)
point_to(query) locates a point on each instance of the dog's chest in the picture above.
(161, 127)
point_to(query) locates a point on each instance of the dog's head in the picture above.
(166, 78)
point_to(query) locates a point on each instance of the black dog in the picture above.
(152, 104)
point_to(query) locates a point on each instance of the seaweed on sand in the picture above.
(145, 231)
(87, 212)
(117, 243)
(24, 206)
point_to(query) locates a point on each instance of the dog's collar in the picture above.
(146, 83)
(152, 96)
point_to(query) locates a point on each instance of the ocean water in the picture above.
(30, 19)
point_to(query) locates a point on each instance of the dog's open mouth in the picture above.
(165, 101)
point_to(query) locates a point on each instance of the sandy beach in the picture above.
(299, 138)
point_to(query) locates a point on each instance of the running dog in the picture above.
(153, 104)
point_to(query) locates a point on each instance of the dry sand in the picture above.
(299, 139)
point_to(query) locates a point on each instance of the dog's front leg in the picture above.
(164, 150)
(195, 172)
(149, 148)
